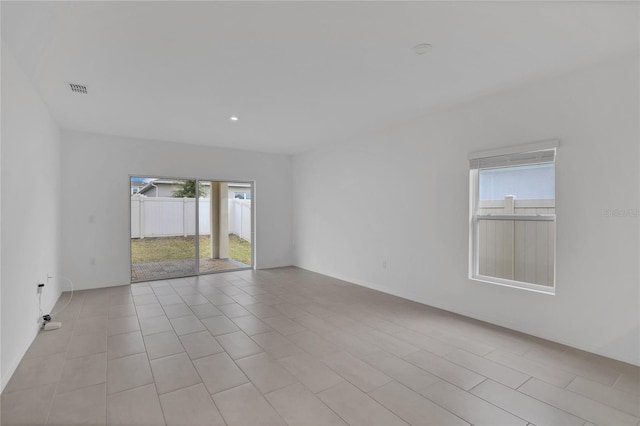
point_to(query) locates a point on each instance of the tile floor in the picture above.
(287, 346)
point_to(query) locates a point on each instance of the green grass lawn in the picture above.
(173, 248)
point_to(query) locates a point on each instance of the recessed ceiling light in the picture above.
(234, 118)
(422, 48)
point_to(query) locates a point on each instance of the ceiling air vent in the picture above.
(78, 88)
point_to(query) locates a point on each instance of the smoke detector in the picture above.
(78, 88)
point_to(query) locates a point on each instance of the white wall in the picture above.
(96, 197)
(593, 111)
(30, 170)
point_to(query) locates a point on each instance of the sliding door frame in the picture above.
(252, 184)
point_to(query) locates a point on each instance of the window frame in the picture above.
(474, 218)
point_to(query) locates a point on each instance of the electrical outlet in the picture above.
(384, 264)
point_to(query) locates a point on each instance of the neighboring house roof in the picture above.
(172, 182)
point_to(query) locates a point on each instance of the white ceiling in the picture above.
(298, 74)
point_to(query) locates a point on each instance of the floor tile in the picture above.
(139, 291)
(289, 310)
(125, 344)
(28, 406)
(155, 325)
(145, 299)
(123, 325)
(577, 405)
(298, 406)
(402, 371)
(162, 344)
(251, 325)
(219, 299)
(424, 342)
(177, 310)
(150, 311)
(469, 407)
(49, 342)
(261, 310)
(233, 310)
(200, 344)
(128, 372)
(612, 397)
(283, 325)
(554, 376)
(452, 373)
(316, 324)
(488, 368)
(238, 345)
(187, 324)
(267, 299)
(139, 406)
(171, 299)
(524, 406)
(120, 311)
(312, 373)
(265, 373)
(466, 343)
(412, 407)
(174, 372)
(576, 364)
(195, 299)
(629, 383)
(80, 407)
(219, 325)
(205, 310)
(87, 344)
(244, 299)
(36, 372)
(186, 290)
(349, 367)
(82, 372)
(276, 345)
(244, 405)
(219, 372)
(190, 406)
(91, 311)
(387, 342)
(120, 299)
(164, 291)
(351, 343)
(356, 407)
(94, 325)
(231, 290)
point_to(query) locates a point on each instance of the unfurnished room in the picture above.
(312, 213)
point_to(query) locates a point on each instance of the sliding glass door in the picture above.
(185, 227)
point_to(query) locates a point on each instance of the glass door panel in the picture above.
(225, 221)
(163, 228)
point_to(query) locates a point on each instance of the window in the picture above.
(513, 217)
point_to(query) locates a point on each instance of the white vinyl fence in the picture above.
(175, 217)
(517, 250)
(240, 218)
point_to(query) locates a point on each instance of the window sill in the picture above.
(536, 288)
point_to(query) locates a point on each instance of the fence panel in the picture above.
(517, 250)
(171, 217)
(240, 218)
